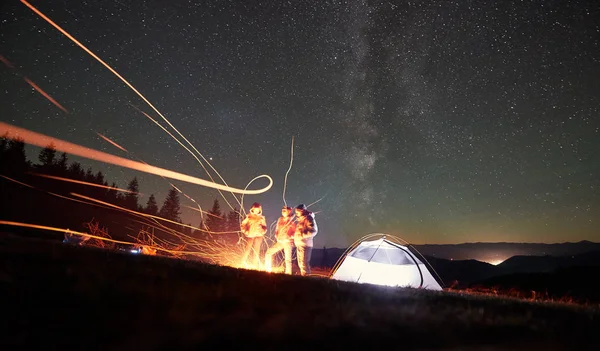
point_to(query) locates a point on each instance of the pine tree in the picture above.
(151, 206)
(171, 208)
(131, 199)
(99, 178)
(111, 195)
(3, 143)
(89, 175)
(47, 157)
(14, 160)
(76, 171)
(214, 221)
(62, 163)
(233, 220)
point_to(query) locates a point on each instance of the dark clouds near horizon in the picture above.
(437, 121)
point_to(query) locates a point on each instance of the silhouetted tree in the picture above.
(47, 157)
(131, 199)
(89, 175)
(3, 144)
(214, 220)
(99, 178)
(151, 206)
(171, 208)
(62, 164)
(111, 194)
(14, 160)
(233, 220)
(76, 171)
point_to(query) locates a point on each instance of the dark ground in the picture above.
(56, 296)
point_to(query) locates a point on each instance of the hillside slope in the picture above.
(74, 297)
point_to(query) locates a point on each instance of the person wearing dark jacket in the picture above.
(306, 229)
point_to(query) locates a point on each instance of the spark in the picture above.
(41, 91)
(112, 142)
(145, 215)
(193, 155)
(64, 32)
(205, 212)
(315, 202)
(6, 62)
(215, 252)
(84, 183)
(16, 181)
(33, 85)
(288, 171)
(65, 146)
(73, 232)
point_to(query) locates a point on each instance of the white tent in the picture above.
(384, 261)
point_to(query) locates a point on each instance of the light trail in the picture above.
(203, 212)
(288, 171)
(6, 62)
(64, 32)
(65, 146)
(74, 232)
(193, 155)
(16, 181)
(69, 180)
(33, 85)
(44, 94)
(214, 251)
(112, 142)
(148, 215)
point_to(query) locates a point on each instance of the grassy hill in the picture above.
(57, 296)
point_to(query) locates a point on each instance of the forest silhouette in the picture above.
(31, 193)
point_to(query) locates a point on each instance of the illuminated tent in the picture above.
(385, 260)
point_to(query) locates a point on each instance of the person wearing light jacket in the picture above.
(306, 229)
(284, 234)
(254, 227)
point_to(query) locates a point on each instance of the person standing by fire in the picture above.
(254, 227)
(284, 234)
(306, 229)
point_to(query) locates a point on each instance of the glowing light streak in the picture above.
(315, 202)
(288, 171)
(214, 251)
(111, 142)
(147, 215)
(204, 212)
(43, 140)
(73, 232)
(16, 181)
(46, 95)
(84, 183)
(193, 155)
(6, 62)
(64, 32)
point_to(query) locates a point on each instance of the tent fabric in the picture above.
(383, 262)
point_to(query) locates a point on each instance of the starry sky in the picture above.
(437, 121)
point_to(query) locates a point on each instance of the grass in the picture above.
(57, 296)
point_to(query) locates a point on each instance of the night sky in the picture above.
(438, 121)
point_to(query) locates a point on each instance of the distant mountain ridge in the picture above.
(471, 271)
(501, 251)
(484, 252)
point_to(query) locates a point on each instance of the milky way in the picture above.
(437, 121)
